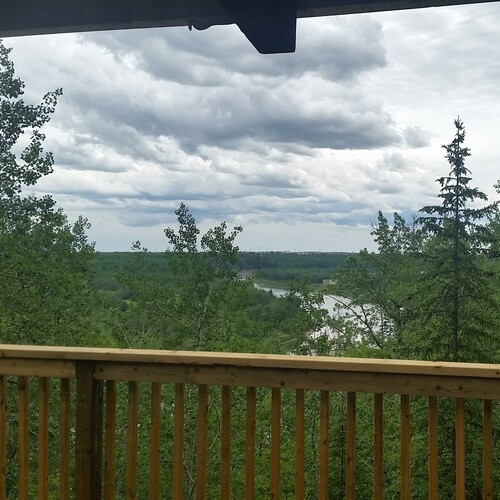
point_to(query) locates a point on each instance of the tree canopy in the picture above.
(43, 258)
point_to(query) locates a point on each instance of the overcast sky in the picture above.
(300, 149)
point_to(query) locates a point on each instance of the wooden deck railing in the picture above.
(92, 423)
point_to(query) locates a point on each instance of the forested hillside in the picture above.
(278, 268)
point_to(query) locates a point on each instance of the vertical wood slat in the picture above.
(405, 447)
(487, 449)
(433, 448)
(323, 445)
(225, 481)
(299, 444)
(132, 421)
(23, 438)
(43, 438)
(64, 439)
(378, 446)
(250, 444)
(275, 442)
(178, 453)
(459, 450)
(109, 441)
(3, 436)
(155, 437)
(202, 443)
(350, 468)
(88, 440)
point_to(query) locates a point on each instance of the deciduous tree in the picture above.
(43, 258)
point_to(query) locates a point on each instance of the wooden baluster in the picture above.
(178, 454)
(88, 440)
(459, 450)
(487, 449)
(132, 421)
(323, 445)
(433, 449)
(3, 436)
(109, 441)
(64, 439)
(275, 442)
(250, 445)
(299, 444)
(405, 447)
(225, 482)
(43, 438)
(154, 453)
(378, 446)
(23, 438)
(350, 469)
(202, 443)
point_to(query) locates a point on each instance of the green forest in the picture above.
(431, 291)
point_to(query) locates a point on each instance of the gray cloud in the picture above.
(349, 124)
(336, 51)
(415, 137)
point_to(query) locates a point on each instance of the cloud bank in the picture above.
(312, 143)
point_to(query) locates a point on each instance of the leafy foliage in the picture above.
(43, 258)
(194, 299)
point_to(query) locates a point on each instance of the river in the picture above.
(330, 302)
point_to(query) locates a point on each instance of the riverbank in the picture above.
(286, 285)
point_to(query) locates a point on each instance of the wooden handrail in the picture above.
(425, 378)
(316, 363)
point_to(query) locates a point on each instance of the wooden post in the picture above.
(3, 436)
(405, 446)
(43, 438)
(23, 438)
(275, 442)
(487, 449)
(350, 458)
(88, 445)
(378, 431)
(65, 440)
(433, 449)
(225, 481)
(323, 444)
(250, 445)
(459, 449)
(299, 444)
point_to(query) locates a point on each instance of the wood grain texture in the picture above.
(155, 441)
(23, 438)
(487, 449)
(43, 438)
(299, 444)
(459, 449)
(405, 447)
(433, 448)
(250, 444)
(225, 481)
(350, 456)
(178, 453)
(378, 446)
(323, 445)
(275, 442)
(202, 443)
(109, 441)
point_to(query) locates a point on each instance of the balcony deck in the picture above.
(72, 424)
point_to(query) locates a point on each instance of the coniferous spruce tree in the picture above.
(455, 287)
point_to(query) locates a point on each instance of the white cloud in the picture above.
(296, 147)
